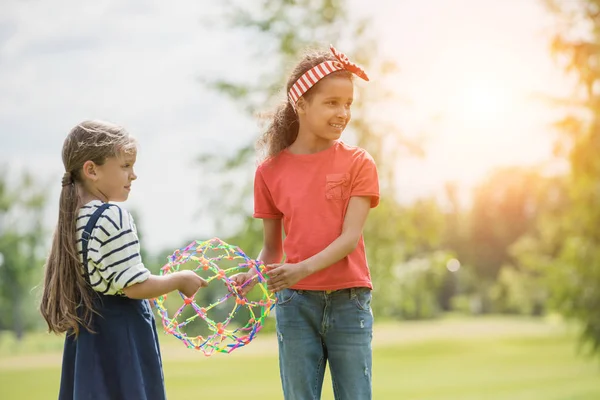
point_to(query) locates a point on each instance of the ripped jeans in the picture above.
(316, 327)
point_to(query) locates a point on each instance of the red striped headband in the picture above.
(315, 74)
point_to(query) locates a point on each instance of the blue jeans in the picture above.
(316, 327)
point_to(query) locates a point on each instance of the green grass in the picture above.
(473, 359)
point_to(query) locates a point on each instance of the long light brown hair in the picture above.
(67, 299)
(284, 125)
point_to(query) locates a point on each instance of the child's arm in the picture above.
(285, 275)
(272, 251)
(354, 222)
(187, 282)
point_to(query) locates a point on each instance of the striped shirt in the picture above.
(114, 260)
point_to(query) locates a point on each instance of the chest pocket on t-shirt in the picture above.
(337, 186)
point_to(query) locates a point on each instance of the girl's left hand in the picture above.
(282, 276)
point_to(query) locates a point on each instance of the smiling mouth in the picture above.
(337, 126)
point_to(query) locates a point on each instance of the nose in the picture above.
(344, 112)
(133, 176)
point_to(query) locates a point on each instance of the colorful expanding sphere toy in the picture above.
(210, 257)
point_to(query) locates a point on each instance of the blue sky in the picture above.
(468, 71)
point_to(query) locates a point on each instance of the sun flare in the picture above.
(479, 100)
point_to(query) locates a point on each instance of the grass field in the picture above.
(452, 359)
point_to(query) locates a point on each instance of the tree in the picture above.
(527, 275)
(577, 268)
(505, 206)
(21, 243)
(508, 206)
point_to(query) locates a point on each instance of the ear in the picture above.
(90, 170)
(301, 105)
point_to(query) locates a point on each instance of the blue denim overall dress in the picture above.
(121, 360)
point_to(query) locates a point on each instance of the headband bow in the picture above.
(315, 74)
(348, 65)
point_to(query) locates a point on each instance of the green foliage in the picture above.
(525, 286)
(518, 292)
(407, 266)
(505, 207)
(22, 240)
(416, 285)
(510, 205)
(576, 272)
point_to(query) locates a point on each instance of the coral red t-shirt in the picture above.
(310, 192)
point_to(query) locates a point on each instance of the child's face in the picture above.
(328, 111)
(115, 177)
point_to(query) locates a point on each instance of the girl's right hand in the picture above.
(189, 282)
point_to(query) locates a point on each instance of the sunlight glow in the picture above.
(480, 100)
(472, 97)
